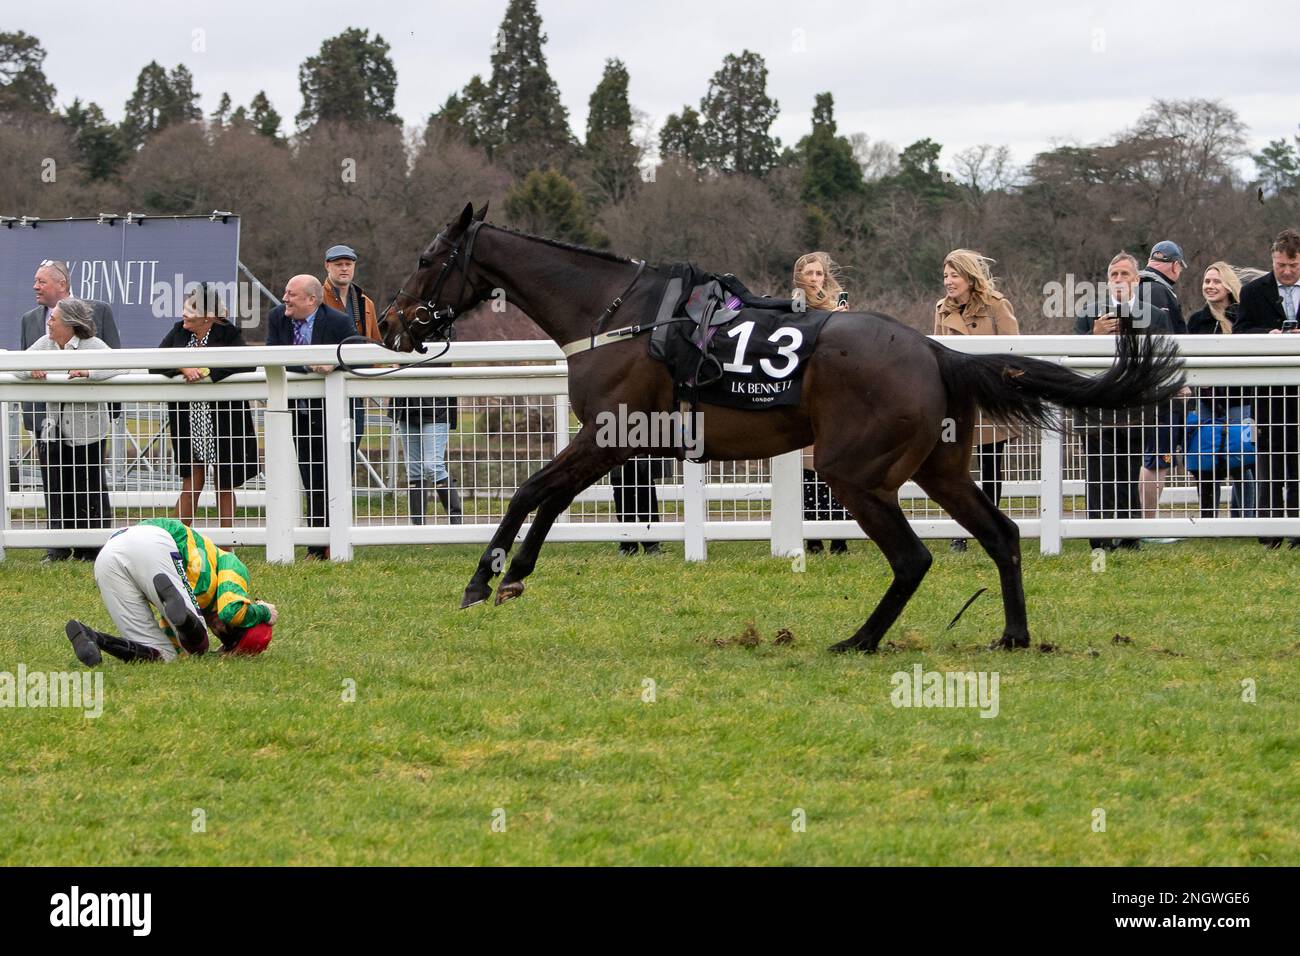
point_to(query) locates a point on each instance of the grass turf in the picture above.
(532, 716)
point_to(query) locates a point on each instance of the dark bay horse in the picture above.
(876, 401)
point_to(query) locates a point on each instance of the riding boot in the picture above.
(449, 497)
(126, 650)
(120, 647)
(415, 502)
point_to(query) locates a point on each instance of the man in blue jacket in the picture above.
(304, 319)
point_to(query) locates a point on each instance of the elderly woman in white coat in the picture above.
(74, 432)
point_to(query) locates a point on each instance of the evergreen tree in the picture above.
(23, 86)
(221, 115)
(352, 79)
(610, 151)
(831, 171)
(96, 141)
(682, 138)
(159, 100)
(548, 203)
(263, 116)
(919, 173)
(470, 112)
(737, 114)
(527, 124)
(1278, 166)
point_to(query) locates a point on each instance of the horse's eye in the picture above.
(424, 263)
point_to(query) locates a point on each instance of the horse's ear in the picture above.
(481, 214)
(466, 216)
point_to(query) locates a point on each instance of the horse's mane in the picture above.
(567, 246)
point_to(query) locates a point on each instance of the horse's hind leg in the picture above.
(883, 520)
(957, 494)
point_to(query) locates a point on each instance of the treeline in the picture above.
(711, 184)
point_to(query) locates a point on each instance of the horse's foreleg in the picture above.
(580, 456)
(585, 468)
(883, 520)
(957, 494)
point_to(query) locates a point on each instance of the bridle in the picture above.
(429, 321)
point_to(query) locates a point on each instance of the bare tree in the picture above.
(878, 159)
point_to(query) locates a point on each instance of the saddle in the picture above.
(725, 345)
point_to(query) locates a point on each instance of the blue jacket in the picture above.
(329, 328)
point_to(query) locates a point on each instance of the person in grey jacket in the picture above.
(51, 286)
(71, 434)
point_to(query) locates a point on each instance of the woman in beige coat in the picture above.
(72, 433)
(972, 306)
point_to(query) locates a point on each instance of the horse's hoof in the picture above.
(843, 647)
(475, 595)
(1009, 643)
(509, 591)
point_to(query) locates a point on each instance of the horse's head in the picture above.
(439, 290)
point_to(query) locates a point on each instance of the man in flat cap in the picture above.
(1156, 288)
(343, 294)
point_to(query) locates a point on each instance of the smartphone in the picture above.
(1289, 325)
(843, 301)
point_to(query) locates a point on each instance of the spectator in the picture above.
(73, 433)
(1271, 304)
(51, 287)
(424, 425)
(972, 306)
(816, 284)
(635, 499)
(1164, 267)
(344, 295)
(1113, 448)
(220, 434)
(1221, 287)
(304, 319)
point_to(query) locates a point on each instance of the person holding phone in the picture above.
(1113, 445)
(817, 286)
(972, 306)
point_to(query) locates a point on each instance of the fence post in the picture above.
(561, 437)
(281, 469)
(1051, 491)
(695, 510)
(4, 478)
(340, 464)
(787, 504)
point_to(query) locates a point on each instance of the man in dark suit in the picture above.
(1271, 304)
(304, 319)
(1114, 447)
(51, 288)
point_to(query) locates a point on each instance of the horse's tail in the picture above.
(1016, 389)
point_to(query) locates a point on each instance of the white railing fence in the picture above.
(514, 416)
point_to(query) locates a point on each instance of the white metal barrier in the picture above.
(514, 389)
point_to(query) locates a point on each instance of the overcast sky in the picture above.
(1024, 74)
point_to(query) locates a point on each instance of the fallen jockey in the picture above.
(164, 566)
